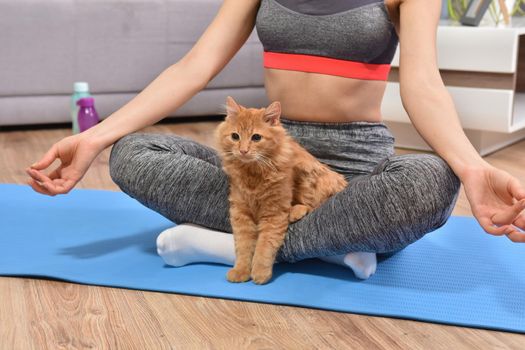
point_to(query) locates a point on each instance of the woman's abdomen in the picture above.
(324, 98)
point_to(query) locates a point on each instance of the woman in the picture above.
(327, 63)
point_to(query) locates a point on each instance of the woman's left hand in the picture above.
(497, 200)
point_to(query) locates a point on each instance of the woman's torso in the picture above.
(327, 33)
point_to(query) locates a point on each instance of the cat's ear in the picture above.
(272, 113)
(232, 107)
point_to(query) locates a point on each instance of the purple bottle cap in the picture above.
(86, 102)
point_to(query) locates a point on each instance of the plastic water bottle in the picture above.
(87, 115)
(80, 90)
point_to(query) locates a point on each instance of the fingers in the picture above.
(517, 233)
(520, 222)
(489, 227)
(516, 236)
(516, 189)
(60, 186)
(38, 187)
(512, 232)
(509, 215)
(38, 176)
(50, 185)
(47, 159)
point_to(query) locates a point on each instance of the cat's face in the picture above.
(249, 134)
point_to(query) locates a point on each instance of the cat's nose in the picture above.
(243, 151)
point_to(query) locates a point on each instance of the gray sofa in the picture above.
(118, 46)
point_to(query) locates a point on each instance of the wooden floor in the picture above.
(50, 314)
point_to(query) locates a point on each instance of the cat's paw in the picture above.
(261, 275)
(297, 212)
(238, 275)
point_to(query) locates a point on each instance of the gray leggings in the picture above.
(390, 202)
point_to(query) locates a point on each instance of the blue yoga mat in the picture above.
(455, 275)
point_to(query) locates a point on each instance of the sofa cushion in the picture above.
(115, 45)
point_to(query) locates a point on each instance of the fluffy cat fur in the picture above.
(273, 181)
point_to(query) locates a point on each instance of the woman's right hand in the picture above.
(76, 153)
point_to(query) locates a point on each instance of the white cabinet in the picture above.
(484, 71)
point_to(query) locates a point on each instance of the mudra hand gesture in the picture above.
(497, 200)
(76, 153)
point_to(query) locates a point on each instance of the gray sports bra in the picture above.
(352, 38)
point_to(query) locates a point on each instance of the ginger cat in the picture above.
(273, 181)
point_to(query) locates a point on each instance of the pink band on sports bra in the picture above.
(326, 65)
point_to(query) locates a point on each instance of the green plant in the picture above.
(456, 9)
(518, 8)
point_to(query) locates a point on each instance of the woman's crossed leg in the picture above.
(404, 198)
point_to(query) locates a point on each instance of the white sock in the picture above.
(362, 263)
(190, 243)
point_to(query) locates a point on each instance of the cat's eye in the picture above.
(235, 136)
(256, 137)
